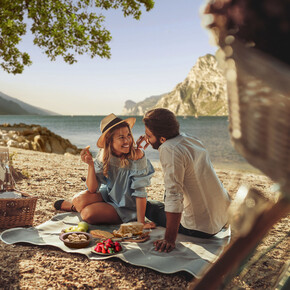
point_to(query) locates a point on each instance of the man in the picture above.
(195, 201)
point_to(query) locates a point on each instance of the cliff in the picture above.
(203, 92)
(132, 108)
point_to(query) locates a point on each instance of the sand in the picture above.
(52, 177)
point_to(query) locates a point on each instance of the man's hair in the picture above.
(162, 123)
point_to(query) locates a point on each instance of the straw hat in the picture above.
(108, 123)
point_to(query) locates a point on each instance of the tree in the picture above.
(63, 28)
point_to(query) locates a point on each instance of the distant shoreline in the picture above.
(82, 131)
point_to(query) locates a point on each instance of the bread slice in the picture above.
(101, 234)
(129, 229)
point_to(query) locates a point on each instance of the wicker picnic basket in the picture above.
(259, 110)
(18, 211)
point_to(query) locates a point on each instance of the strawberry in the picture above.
(118, 248)
(111, 251)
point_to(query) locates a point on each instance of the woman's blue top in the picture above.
(124, 184)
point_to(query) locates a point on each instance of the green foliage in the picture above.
(25, 173)
(12, 156)
(60, 27)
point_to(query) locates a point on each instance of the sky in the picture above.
(149, 57)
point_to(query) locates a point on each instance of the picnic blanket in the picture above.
(191, 254)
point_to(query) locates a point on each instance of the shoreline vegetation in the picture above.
(51, 176)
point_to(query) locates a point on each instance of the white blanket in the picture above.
(192, 255)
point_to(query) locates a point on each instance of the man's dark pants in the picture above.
(155, 212)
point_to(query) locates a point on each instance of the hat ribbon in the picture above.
(112, 123)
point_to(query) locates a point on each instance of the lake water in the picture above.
(85, 130)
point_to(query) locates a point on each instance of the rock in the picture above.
(132, 108)
(11, 134)
(27, 132)
(35, 146)
(24, 145)
(35, 137)
(18, 138)
(39, 140)
(56, 145)
(47, 147)
(12, 143)
(5, 137)
(203, 92)
(70, 151)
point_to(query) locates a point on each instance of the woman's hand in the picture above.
(150, 225)
(86, 156)
(164, 246)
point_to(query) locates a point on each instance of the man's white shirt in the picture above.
(192, 186)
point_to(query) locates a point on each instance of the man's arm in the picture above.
(173, 166)
(172, 226)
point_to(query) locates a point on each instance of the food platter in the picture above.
(106, 254)
(145, 236)
(107, 248)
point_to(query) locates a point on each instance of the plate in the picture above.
(100, 240)
(106, 254)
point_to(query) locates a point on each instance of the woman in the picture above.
(116, 180)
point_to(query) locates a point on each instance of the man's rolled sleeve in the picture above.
(174, 202)
(173, 169)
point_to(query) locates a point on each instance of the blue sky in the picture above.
(149, 57)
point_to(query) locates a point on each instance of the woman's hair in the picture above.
(162, 123)
(106, 153)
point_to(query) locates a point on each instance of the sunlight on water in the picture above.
(84, 130)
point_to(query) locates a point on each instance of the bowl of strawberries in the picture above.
(107, 247)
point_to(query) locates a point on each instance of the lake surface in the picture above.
(85, 130)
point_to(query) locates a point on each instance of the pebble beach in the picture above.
(51, 176)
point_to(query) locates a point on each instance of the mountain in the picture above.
(13, 106)
(132, 108)
(203, 92)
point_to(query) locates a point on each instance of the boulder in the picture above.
(39, 140)
(24, 145)
(35, 137)
(70, 151)
(56, 145)
(12, 143)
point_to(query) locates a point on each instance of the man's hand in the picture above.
(140, 141)
(164, 246)
(172, 224)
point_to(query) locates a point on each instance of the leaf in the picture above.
(64, 28)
